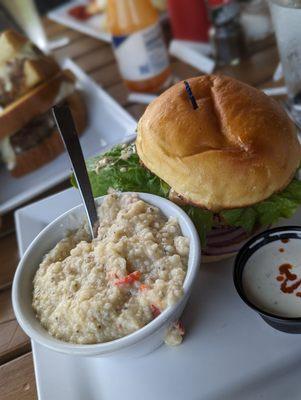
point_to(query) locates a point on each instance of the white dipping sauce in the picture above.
(260, 278)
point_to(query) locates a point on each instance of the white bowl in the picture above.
(138, 343)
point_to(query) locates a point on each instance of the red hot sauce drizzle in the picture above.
(281, 250)
(286, 276)
(284, 269)
(285, 240)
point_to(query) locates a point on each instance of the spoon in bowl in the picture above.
(65, 124)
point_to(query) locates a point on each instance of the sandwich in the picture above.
(31, 83)
(22, 66)
(230, 162)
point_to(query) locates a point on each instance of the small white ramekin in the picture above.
(136, 344)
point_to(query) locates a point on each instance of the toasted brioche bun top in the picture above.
(236, 149)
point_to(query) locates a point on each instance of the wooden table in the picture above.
(17, 380)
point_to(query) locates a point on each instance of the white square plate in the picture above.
(94, 26)
(108, 123)
(229, 353)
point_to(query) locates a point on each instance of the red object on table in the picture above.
(189, 20)
(79, 12)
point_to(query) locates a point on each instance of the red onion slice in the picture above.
(217, 231)
(226, 241)
(215, 251)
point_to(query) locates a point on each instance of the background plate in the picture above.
(94, 26)
(229, 352)
(108, 123)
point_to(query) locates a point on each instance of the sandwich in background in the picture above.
(31, 83)
(22, 66)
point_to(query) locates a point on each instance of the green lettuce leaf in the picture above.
(280, 205)
(120, 169)
(202, 219)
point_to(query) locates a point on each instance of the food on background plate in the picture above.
(230, 163)
(96, 6)
(30, 85)
(92, 292)
(83, 12)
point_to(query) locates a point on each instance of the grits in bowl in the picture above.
(88, 292)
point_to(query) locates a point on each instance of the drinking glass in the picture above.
(286, 15)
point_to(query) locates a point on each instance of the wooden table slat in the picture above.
(6, 309)
(255, 70)
(96, 59)
(13, 341)
(17, 380)
(107, 75)
(54, 29)
(72, 35)
(136, 110)
(120, 93)
(79, 47)
(8, 259)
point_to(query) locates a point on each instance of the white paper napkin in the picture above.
(142, 98)
(276, 91)
(194, 54)
(278, 74)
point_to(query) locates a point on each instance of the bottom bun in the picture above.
(52, 146)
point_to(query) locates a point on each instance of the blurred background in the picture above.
(206, 34)
(227, 24)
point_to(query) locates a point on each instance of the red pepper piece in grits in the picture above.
(131, 278)
(155, 310)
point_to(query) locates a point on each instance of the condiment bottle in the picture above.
(189, 20)
(225, 33)
(138, 44)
